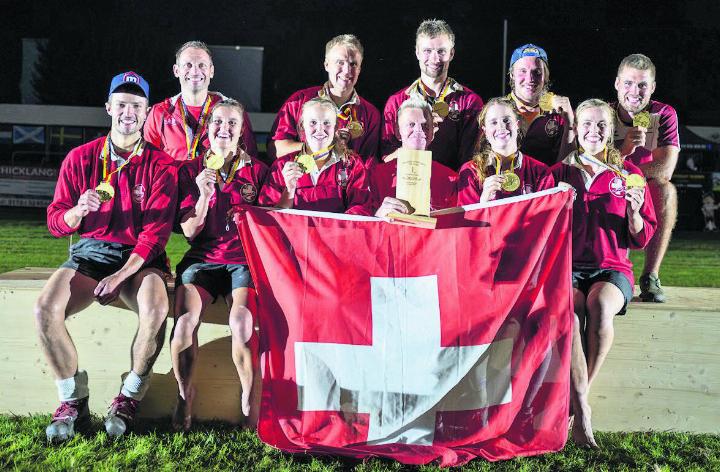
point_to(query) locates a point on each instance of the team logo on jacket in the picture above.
(454, 111)
(138, 193)
(170, 121)
(248, 192)
(552, 127)
(617, 187)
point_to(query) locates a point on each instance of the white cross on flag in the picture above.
(415, 344)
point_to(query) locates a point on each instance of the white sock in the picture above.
(73, 388)
(135, 386)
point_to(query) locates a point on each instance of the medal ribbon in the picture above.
(195, 134)
(498, 164)
(318, 153)
(348, 114)
(106, 154)
(444, 91)
(233, 169)
(598, 162)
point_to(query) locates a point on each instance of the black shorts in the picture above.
(583, 279)
(216, 279)
(98, 259)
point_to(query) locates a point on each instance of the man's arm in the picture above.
(284, 134)
(663, 164)
(152, 131)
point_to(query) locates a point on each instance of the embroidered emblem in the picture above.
(248, 192)
(138, 193)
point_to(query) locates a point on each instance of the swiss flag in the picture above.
(416, 344)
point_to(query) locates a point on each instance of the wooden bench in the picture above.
(663, 372)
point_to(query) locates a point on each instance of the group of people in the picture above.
(190, 161)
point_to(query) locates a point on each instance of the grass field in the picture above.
(215, 446)
(693, 260)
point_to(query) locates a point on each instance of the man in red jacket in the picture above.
(119, 194)
(178, 125)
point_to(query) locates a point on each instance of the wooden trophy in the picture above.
(413, 187)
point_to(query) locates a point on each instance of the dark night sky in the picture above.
(91, 41)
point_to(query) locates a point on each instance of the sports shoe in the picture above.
(650, 288)
(121, 415)
(70, 416)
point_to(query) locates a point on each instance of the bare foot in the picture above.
(582, 429)
(246, 381)
(182, 416)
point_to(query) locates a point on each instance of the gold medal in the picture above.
(214, 162)
(355, 128)
(441, 108)
(105, 191)
(546, 101)
(306, 163)
(511, 183)
(634, 180)
(642, 120)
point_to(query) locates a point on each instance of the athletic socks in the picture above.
(73, 388)
(135, 386)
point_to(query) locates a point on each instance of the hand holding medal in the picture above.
(104, 189)
(511, 182)
(306, 162)
(214, 161)
(546, 102)
(634, 180)
(641, 120)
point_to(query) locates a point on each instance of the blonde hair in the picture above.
(229, 103)
(340, 147)
(193, 45)
(546, 75)
(483, 150)
(613, 155)
(348, 40)
(434, 28)
(637, 61)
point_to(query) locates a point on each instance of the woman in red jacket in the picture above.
(612, 213)
(215, 265)
(324, 175)
(498, 169)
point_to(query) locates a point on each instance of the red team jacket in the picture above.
(219, 241)
(534, 176)
(600, 235)
(141, 213)
(443, 185)
(165, 129)
(543, 138)
(288, 117)
(341, 188)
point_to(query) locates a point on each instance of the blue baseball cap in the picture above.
(132, 78)
(528, 50)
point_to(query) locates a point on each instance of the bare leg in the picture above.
(146, 294)
(244, 349)
(604, 301)
(664, 197)
(65, 293)
(582, 425)
(190, 302)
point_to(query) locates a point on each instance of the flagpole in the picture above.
(503, 79)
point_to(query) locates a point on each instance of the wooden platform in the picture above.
(663, 372)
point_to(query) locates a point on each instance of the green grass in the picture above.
(218, 446)
(693, 259)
